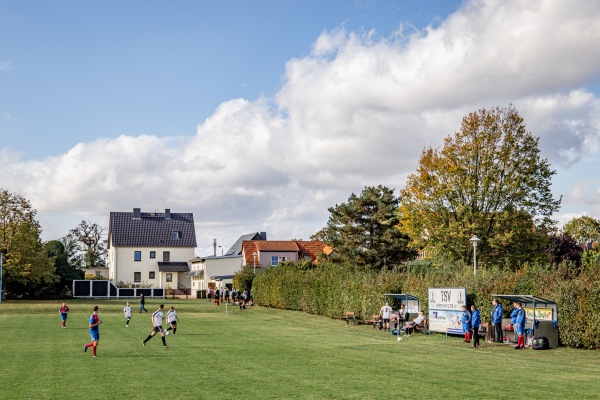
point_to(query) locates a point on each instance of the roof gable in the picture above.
(151, 229)
(305, 249)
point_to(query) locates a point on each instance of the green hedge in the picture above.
(331, 290)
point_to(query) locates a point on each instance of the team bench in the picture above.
(375, 318)
(350, 317)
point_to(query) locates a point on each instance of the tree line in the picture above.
(33, 269)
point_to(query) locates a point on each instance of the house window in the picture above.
(176, 235)
(274, 260)
(152, 254)
(166, 256)
(151, 275)
(97, 273)
(169, 277)
(137, 276)
(137, 256)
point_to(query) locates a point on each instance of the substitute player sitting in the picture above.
(172, 319)
(157, 317)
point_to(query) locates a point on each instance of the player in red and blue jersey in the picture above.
(94, 331)
(63, 311)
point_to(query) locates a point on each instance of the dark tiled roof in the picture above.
(151, 230)
(164, 266)
(236, 249)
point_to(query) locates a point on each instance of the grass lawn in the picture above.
(264, 353)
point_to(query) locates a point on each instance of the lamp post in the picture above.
(474, 240)
(254, 264)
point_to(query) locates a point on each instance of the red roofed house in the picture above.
(271, 252)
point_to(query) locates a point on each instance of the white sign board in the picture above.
(447, 298)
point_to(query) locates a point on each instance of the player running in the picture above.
(127, 314)
(172, 319)
(157, 317)
(94, 331)
(63, 311)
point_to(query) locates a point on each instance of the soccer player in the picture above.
(94, 331)
(63, 311)
(127, 314)
(157, 317)
(172, 319)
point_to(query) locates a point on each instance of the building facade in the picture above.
(151, 248)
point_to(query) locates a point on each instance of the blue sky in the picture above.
(258, 116)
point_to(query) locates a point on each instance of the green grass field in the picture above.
(264, 353)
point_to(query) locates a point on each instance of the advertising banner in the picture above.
(544, 314)
(445, 309)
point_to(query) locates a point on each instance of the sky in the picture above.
(259, 116)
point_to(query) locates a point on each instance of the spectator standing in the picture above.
(465, 321)
(475, 324)
(386, 313)
(227, 295)
(217, 294)
(497, 321)
(402, 316)
(513, 320)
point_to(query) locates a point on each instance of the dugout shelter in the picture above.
(541, 316)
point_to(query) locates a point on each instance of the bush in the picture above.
(331, 290)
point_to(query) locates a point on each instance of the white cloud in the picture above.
(357, 111)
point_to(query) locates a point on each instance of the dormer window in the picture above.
(176, 235)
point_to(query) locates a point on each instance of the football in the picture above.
(167, 333)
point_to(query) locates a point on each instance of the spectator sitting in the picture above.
(409, 328)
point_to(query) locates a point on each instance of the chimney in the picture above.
(167, 213)
(137, 213)
(263, 235)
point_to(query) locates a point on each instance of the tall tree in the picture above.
(583, 229)
(27, 267)
(488, 179)
(363, 231)
(91, 244)
(65, 271)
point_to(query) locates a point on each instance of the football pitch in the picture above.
(262, 353)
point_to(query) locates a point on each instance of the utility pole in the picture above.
(1, 256)
(215, 247)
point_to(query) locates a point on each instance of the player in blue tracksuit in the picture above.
(475, 323)
(497, 321)
(513, 319)
(520, 326)
(465, 321)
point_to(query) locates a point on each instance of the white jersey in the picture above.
(157, 318)
(386, 312)
(127, 311)
(172, 316)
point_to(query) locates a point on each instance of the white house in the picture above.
(218, 271)
(151, 248)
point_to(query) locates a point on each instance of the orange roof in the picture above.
(310, 249)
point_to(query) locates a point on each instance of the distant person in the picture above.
(127, 314)
(513, 320)
(227, 295)
(142, 303)
(497, 321)
(172, 319)
(64, 312)
(409, 328)
(520, 326)
(386, 314)
(94, 332)
(465, 321)
(157, 317)
(475, 324)
(217, 296)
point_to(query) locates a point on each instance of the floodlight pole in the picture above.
(474, 240)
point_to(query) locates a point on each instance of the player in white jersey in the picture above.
(157, 317)
(127, 314)
(172, 319)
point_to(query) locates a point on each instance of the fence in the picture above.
(106, 289)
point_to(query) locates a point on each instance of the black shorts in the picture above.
(158, 329)
(174, 323)
(386, 320)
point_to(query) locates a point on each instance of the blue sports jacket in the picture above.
(520, 318)
(475, 319)
(497, 314)
(466, 321)
(513, 315)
